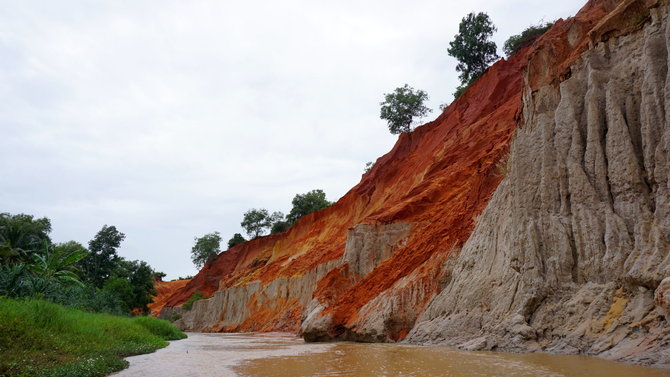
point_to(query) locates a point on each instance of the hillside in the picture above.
(532, 215)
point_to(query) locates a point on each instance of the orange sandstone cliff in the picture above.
(165, 289)
(532, 215)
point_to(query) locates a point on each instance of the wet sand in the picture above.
(284, 355)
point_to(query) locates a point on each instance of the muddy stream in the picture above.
(218, 355)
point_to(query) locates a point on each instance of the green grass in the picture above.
(196, 296)
(39, 338)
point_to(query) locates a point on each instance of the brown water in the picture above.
(356, 359)
(218, 355)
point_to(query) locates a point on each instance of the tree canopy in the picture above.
(102, 258)
(472, 46)
(57, 263)
(21, 236)
(138, 276)
(401, 107)
(307, 203)
(206, 247)
(256, 221)
(280, 226)
(236, 240)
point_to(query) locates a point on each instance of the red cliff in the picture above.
(486, 214)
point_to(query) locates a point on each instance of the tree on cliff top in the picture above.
(472, 46)
(205, 248)
(255, 222)
(307, 203)
(236, 240)
(519, 41)
(401, 107)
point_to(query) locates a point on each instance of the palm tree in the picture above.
(57, 263)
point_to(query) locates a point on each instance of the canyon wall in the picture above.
(532, 215)
(569, 252)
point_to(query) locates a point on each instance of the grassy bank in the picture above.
(39, 338)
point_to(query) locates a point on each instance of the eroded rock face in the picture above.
(567, 254)
(662, 298)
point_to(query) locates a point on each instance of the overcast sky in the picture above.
(169, 119)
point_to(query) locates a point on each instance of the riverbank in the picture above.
(284, 355)
(40, 338)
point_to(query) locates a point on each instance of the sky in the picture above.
(170, 119)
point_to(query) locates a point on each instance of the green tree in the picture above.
(102, 259)
(400, 108)
(307, 203)
(122, 290)
(205, 248)
(235, 240)
(21, 236)
(279, 223)
(58, 263)
(280, 226)
(256, 221)
(519, 41)
(472, 47)
(132, 284)
(141, 277)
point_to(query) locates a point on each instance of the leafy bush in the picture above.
(40, 338)
(236, 240)
(196, 296)
(280, 226)
(17, 281)
(519, 41)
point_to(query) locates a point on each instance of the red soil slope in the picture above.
(439, 178)
(165, 289)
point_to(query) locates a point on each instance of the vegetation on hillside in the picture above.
(236, 239)
(403, 107)
(519, 41)
(196, 296)
(40, 338)
(205, 248)
(304, 204)
(473, 48)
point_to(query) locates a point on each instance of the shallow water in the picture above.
(279, 355)
(355, 359)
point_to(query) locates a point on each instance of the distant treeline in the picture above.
(94, 279)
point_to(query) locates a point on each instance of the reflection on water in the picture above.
(356, 359)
